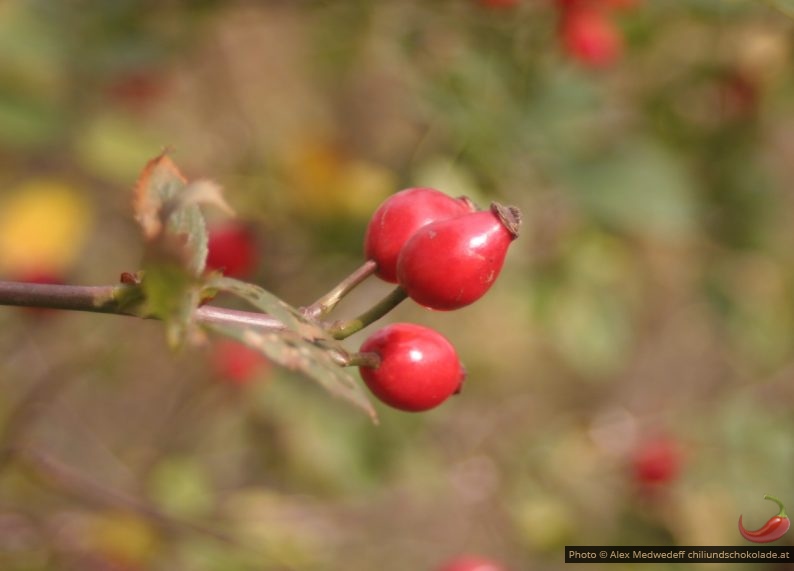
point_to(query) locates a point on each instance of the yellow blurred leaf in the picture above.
(125, 537)
(325, 181)
(43, 226)
(363, 186)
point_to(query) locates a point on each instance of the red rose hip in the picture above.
(399, 216)
(419, 369)
(451, 263)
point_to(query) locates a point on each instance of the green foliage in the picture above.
(651, 290)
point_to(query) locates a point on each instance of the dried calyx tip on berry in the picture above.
(510, 217)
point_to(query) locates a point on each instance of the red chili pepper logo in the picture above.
(772, 530)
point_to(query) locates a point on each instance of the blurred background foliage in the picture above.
(631, 375)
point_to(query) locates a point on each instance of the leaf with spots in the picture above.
(301, 346)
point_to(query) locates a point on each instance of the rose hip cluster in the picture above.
(445, 254)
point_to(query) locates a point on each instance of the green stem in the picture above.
(329, 301)
(782, 512)
(344, 329)
(371, 360)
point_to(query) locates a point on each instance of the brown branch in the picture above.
(99, 299)
(117, 300)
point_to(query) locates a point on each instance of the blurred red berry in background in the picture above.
(232, 250)
(739, 96)
(137, 89)
(236, 363)
(656, 461)
(590, 37)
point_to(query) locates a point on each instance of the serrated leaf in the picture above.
(290, 350)
(167, 209)
(159, 182)
(303, 346)
(204, 191)
(187, 223)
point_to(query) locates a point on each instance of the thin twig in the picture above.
(344, 329)
(329, 301)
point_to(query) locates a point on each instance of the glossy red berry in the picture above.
(656, 461)
(451, 263)
(589, 36)
(471, 563)
(419, 369)
(232, 250)
(236, 363)
(399, 216)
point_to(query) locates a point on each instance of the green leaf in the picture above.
(188, 222)
(186, 219)
(290, 350)
(166, 208)
(303, 346)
